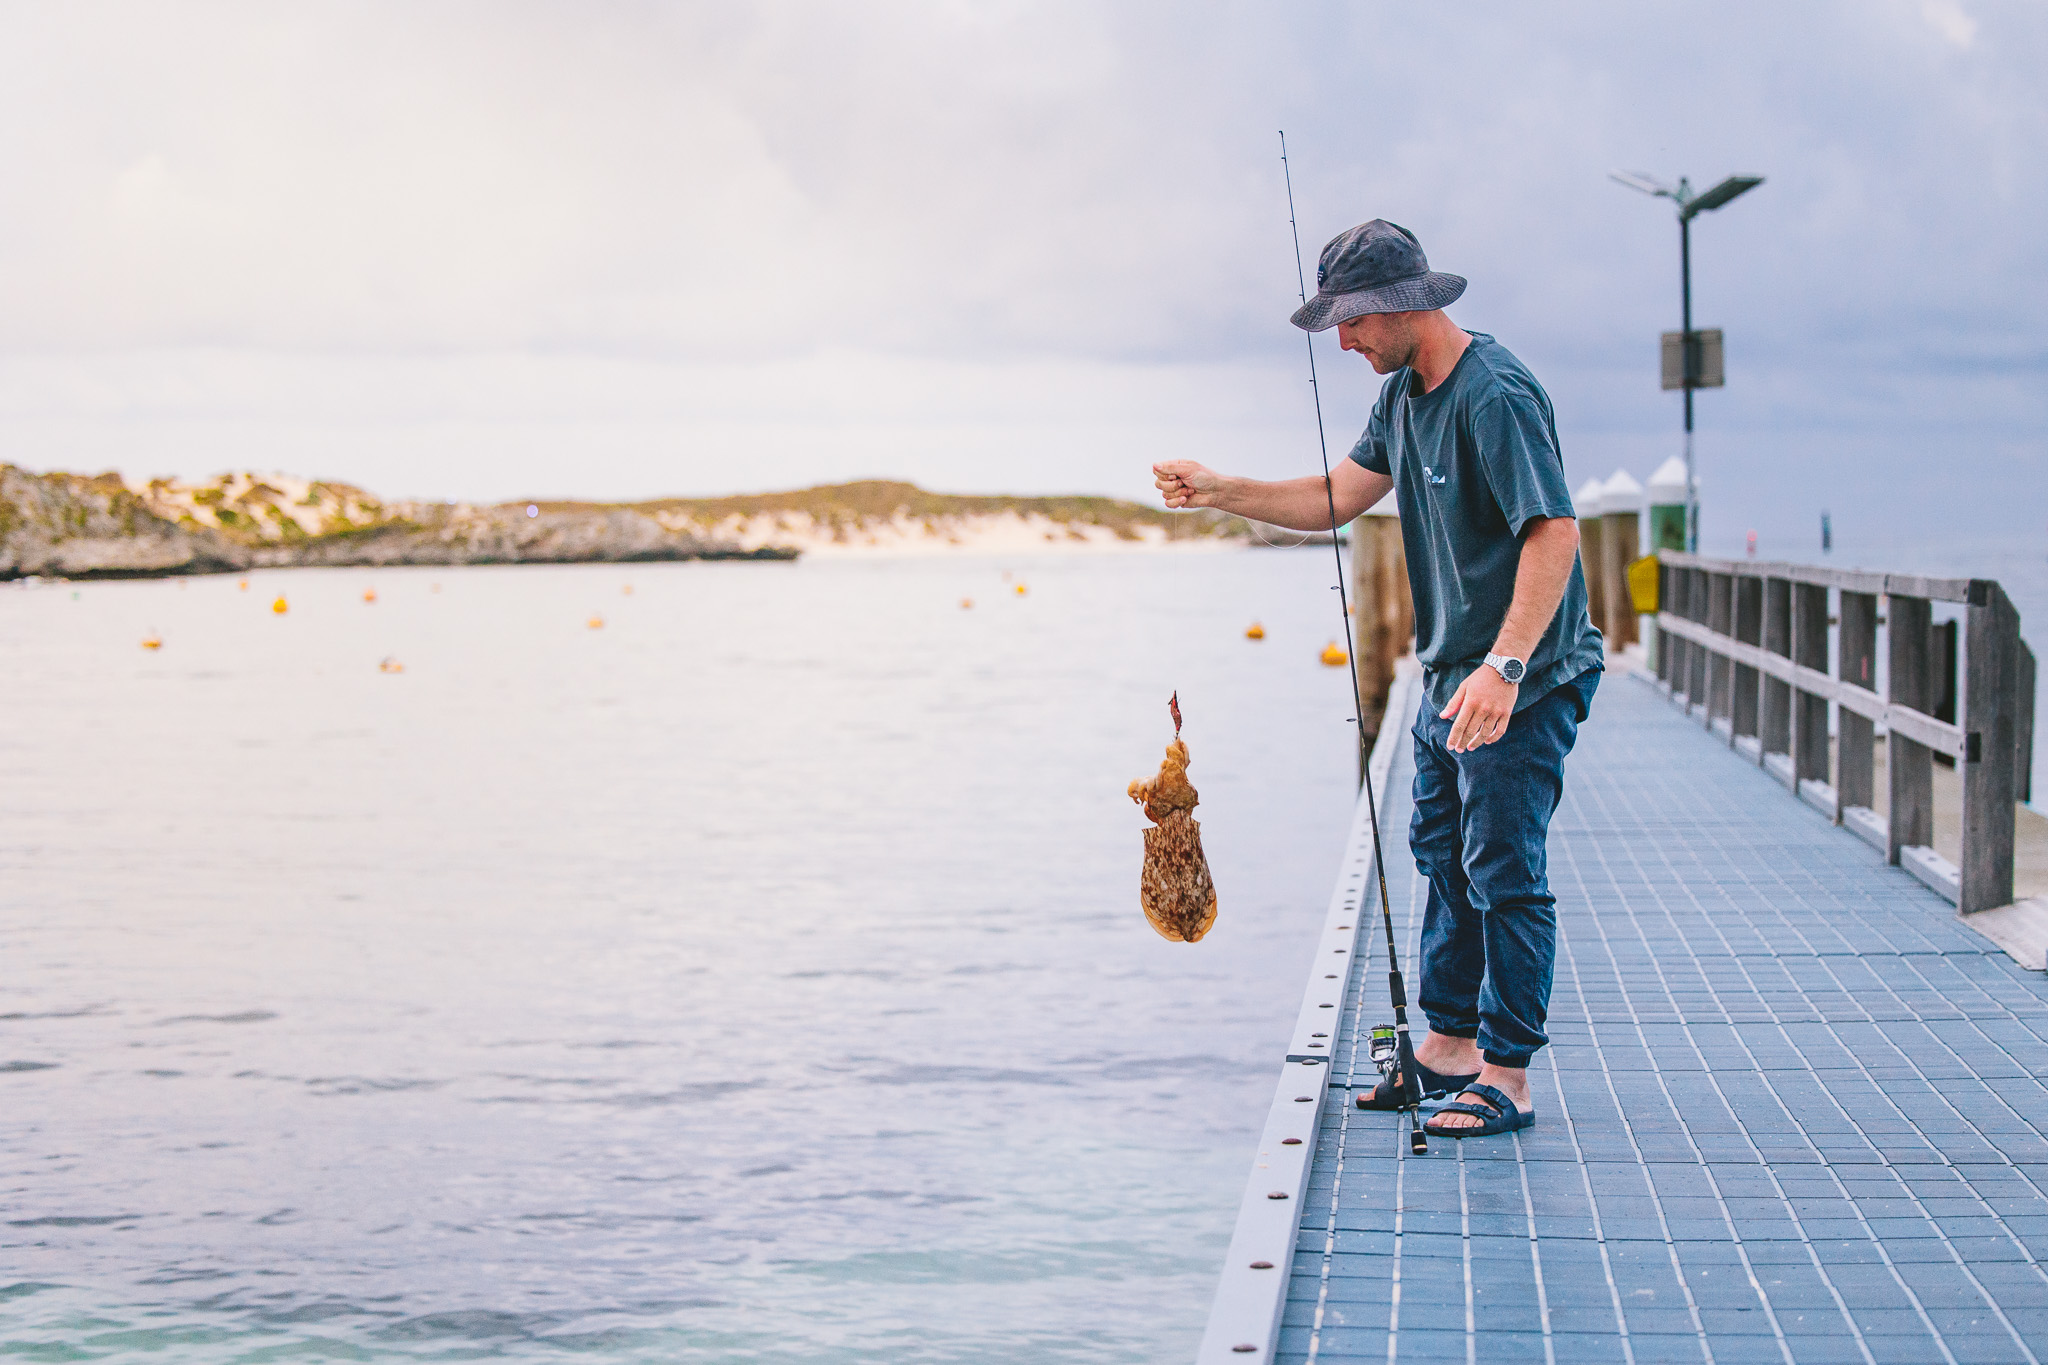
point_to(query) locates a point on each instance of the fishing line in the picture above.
(1401, 1065)
(1260, 535)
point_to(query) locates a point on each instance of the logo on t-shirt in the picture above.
(1435, 479)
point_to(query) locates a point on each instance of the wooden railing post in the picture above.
(1659, 645)
(2023, 732)
(1682, 649)
(1809, 712)
(1855, 736)
(1990, 723)
(1909, 767)
(1720, 671)
(1775, 728)
(1702, 658)
(1749, 625)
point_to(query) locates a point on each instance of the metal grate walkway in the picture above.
(1793, 1110)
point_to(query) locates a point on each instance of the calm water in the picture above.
(758, 978)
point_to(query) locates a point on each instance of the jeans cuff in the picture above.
(1512, 1061)
(1453, 1031)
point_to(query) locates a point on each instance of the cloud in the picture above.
(474, 249)
(1946, 17)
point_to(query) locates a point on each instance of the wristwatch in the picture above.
(1511, 669)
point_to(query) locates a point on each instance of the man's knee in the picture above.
(1512, 877)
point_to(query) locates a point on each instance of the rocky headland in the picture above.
(104, 526)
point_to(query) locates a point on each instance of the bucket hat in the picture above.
(1376, 267)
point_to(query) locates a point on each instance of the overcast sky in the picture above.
(496, 249)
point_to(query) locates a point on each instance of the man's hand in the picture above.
(1183, 483)
(1484, 704)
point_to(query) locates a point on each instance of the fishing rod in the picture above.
(1395, 1055)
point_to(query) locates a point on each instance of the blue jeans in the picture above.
(1489, 933)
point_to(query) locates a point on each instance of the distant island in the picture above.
(104, 526)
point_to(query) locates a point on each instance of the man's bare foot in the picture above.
(1448, 1056)
(1509, 1080)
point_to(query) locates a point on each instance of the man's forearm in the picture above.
(1550, 546)
(1297, 504)
(1303, 504)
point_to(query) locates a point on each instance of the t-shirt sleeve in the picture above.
(1371, 450)
(1524, 470)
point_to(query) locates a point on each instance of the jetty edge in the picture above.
(1244, 1318)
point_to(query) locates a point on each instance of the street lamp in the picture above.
(1689, 204)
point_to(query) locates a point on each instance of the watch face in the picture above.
(1512, 669)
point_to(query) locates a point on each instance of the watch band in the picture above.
(1511, 669)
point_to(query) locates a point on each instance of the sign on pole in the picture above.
(1705, 355)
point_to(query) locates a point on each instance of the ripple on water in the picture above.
(805, 901)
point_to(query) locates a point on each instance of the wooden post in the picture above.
(1698, 692)
(1990, 723)
(1383, 612)
(1855, 736)
(1749, 623)
(1660, 648)
(1720, 675)
(1681, 649)
(2023, 733)
(1618, 541)
(1909, 767)
(1672, 649)
(1775, 729)
(1592, 555)
(1809, 712)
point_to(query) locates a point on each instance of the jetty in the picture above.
(1795, 1105)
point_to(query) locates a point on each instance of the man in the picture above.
(1465, 438)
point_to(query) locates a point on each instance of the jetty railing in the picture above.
(1746, 647)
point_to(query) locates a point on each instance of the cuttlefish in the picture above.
(1175, 888)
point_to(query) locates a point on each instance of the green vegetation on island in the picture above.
(85, 526)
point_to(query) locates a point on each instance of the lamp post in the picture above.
(1690, 204)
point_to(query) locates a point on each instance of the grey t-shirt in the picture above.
(1473, 460)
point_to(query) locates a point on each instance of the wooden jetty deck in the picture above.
(1793, 1110)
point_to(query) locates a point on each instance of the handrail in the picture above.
(1969, 590)
(1746, 646)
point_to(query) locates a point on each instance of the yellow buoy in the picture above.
(1255, 632)
(243, 585)
(389, 665)
(1334, 656)
(967, 604)
(626, 591)
(280, 606)
(597, 623)
(369, 594)
(1021, 590)
(152, 641)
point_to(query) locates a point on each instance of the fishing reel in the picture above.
(1383, 1046)
(1385, 1049)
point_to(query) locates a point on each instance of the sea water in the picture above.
(755, 976)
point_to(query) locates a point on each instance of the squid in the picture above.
(1175, 888)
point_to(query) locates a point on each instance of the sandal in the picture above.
(1434, 1084)
(1497, 1114)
